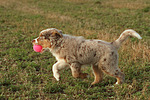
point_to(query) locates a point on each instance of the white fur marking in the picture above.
(36, 40)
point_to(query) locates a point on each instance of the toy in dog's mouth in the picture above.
(37, 48)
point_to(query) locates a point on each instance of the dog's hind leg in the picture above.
(114, 71)
(97, 73)
(76, 71)
(109, 65)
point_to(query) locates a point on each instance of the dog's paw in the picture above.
(57, 77)
(93, 83)
(84, 75)
(116, 83)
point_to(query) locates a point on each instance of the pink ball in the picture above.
(37, 48)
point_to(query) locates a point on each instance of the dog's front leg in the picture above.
(58, 66)
(76, 71)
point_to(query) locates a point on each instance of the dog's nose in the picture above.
(33, 41)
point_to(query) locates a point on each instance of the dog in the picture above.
(75, 51)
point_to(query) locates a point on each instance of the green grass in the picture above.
(25, 74)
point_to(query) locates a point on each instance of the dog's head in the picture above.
(47, 38)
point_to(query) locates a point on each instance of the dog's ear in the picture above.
(47, 36)
(56, 34)
(51, 33)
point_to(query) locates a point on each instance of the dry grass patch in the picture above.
(26, 7)
(78, 1)
(134, 4)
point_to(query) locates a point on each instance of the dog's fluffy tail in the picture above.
(124, 36)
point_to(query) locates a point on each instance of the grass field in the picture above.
(25, 74)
